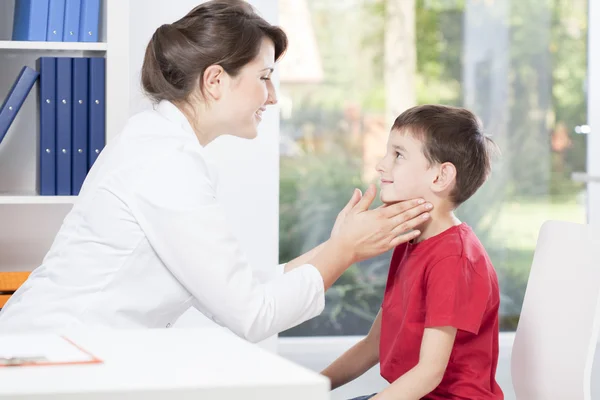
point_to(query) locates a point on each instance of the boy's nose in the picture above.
(379, 166)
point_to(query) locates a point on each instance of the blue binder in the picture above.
(56, 16)
(47, 141)
(90, 20)
(63, 125)
(30, 20)
(80, 124)
(97, 115)
(16, 96)
(71, 23)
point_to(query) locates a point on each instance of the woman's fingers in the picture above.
(409, 219)
(392, 210)
(403, 238)
(410, 213)
(372, 232)
(341, 217)
(366, 200)
(356, 196)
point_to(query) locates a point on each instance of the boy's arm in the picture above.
(428, 373)
(357, 360)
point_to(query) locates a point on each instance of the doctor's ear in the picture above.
(212, 82)
(445, 178)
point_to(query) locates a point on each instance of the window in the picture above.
(354, 65)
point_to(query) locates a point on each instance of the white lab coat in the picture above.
(147, 239)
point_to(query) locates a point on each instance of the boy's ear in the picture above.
(445, 179)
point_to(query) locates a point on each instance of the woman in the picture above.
(147, 238)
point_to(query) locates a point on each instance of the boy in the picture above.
(436, 335)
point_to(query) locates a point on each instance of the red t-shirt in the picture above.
(446, 280)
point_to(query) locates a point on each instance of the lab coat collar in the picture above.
(171, 112)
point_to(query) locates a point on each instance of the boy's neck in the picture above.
(441, 219)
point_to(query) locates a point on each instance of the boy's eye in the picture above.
(399, 155)
(266, 78)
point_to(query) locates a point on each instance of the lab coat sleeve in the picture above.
(176, 208)
(280, 269)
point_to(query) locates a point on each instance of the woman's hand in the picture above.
(341, 217)
(360, 233)
(367, 233)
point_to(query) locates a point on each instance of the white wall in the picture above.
(593, 99)
(248, 170)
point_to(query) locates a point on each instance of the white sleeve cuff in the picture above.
(281, 269)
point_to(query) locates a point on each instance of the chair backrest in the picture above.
(556, 337)
(9, 283)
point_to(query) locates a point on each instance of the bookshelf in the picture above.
(13, 199)
(29, 222)
(49, 46)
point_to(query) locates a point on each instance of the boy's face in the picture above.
(404, 171)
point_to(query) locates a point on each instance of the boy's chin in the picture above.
(389, 199)
(394, 198)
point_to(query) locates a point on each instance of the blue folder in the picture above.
(30, 20)
(71, 23)
(16, 96)
(90, 20)
(97, 114)
(56, 17)
(47, 142)
(80, 124)
(63, 125)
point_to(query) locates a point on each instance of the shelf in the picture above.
(35, 199)
(52, 46)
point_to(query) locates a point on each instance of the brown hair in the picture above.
(218, 32)
(454, 135)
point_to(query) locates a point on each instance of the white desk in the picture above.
(168, 364)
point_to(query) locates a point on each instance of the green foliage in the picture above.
(545, 87)
(314, 188)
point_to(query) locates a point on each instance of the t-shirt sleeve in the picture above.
(456, 295)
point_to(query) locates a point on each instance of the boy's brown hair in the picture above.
(454, 135)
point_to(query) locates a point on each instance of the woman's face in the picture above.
(247, 95)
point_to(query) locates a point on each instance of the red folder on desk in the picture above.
(42, 350)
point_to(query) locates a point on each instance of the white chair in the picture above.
(556, 337)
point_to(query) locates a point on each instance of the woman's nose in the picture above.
(272, 97)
